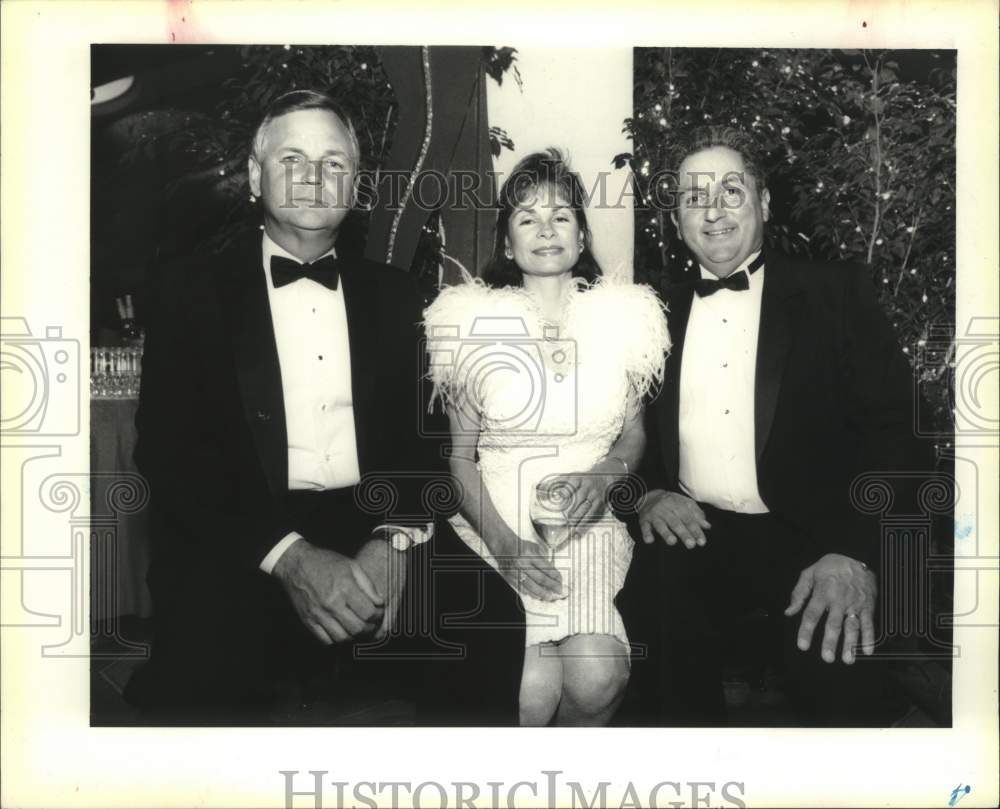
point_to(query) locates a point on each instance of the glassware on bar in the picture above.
(115, 372)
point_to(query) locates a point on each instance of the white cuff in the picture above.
(268, 562)
(418, 534)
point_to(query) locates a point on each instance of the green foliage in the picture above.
(861, 167)
(498, 61)
(351, 74)
(220, 142)
(499, 140)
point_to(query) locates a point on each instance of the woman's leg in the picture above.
(541, 685)
(595, 673)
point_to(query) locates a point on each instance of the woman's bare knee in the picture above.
(541, 686)
(595, 671)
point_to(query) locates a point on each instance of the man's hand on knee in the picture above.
(332, 594)
(845, 590)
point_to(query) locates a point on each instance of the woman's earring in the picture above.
(509, 254)
(253, 198)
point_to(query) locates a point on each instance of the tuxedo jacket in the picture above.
(833, 399)
(212, 439)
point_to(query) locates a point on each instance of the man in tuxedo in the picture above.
(785, 383)
(280, 432)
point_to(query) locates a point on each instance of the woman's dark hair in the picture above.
(538, 170)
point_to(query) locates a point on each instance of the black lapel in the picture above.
(243, 300)
(361, 303)
(678, 298)
(779, 313)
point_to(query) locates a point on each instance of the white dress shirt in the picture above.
(310, 329)
(718, 460)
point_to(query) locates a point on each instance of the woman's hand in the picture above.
(528, 570)
(582, 496)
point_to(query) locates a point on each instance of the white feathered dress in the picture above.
(551, 399)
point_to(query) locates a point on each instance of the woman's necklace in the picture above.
(553, 322)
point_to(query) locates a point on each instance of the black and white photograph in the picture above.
(753, 469)
(484, 398)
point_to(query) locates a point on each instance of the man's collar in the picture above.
(707, 275)
(272, 248)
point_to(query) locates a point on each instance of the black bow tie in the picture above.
(285, 271)
(737, 281)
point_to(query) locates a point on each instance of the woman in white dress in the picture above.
(542, 366)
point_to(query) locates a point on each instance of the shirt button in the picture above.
(322, 407)
(327, 457)
(727, 411)
(320, 356)
(725, 365)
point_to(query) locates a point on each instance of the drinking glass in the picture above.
(548, 519)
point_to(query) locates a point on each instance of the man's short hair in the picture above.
(706, 137)
(297, 100)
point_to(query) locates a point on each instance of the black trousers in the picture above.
(680, 607)
(228, 646)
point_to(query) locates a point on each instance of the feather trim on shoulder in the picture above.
(463, 316)
(631, 322)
